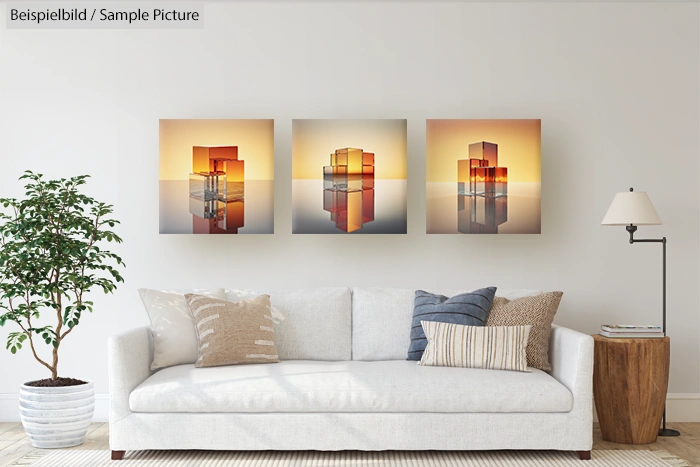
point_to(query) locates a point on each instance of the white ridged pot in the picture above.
(56, 417)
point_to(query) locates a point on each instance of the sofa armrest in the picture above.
(571, 356)
(129, 358)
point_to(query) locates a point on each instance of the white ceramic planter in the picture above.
(56, 417)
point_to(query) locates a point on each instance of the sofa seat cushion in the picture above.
(349, 386)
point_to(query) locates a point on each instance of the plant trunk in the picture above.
(59, 325)
(54, 367)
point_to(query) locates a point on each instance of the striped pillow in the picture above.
(467, 309)
(492, 348)
(233, 333)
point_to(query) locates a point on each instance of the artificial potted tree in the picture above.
(51, 256)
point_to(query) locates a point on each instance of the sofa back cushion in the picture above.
(310, 324)
(174, 336)
(381, 319)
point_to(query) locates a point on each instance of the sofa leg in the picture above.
(584, 455)
(117, 455)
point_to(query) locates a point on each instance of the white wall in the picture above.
(615, 84)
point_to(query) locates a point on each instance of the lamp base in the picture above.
(669, 432)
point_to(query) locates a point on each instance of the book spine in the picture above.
(623, 330)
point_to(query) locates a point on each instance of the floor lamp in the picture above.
(633, 208)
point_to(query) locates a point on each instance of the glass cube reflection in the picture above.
(343, 182)
(481, 215)
(216, 217)
(350, 210)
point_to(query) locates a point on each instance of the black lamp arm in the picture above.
(633, 228)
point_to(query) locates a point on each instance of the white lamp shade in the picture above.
(631, 207)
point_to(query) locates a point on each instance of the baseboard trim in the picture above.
(683, 396)
(680, 407)
(683, 407)
(9, 408)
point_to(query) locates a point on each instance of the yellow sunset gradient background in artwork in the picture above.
(314, 140)
(254, 138)
(518, 142)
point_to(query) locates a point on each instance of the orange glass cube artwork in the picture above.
(234, 170)
(466, 175)
(485, 178)
(348, 188)
(485, 151)
(203, 157)
(351, 161)
(217, 173)
(335, 170)
(501, 181)
(480, 175)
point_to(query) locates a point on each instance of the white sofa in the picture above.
(344, 384)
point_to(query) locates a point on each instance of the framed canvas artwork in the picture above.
(349, 176)
(483, 176)
(216, 176)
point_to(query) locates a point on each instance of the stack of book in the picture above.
(630, 331)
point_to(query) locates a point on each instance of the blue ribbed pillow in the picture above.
(467, 309)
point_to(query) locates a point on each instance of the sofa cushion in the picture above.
(489, 347)
(352, 386)
(468, 309)
(174, 336)
(381, 319)
(233, 333)
(316, 324)
(537, 312)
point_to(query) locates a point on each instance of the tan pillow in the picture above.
(233, 333)
(538, 312)
(491, 348)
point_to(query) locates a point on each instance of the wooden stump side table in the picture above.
(630, 379)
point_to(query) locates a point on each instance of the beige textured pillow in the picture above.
(538, 312)
(233, 333)
(491, 348)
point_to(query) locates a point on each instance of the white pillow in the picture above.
(174, 336)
